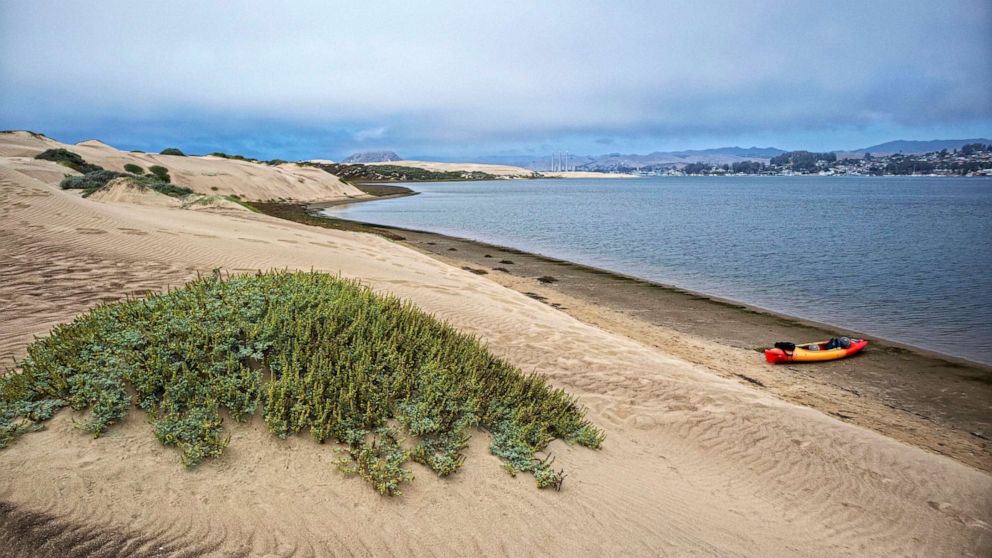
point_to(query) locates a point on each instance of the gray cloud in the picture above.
(452, 73)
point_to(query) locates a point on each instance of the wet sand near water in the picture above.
(934, 401)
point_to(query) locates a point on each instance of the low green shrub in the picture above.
(65, 157)
(172, 151)
(160, 173)
(134, 169)
(315, 353)
(91, 181)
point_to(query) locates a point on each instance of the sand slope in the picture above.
(206, 175)
(693, 463)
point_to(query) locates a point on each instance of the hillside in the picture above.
(371, 157)
(916, 147)
(205, 175)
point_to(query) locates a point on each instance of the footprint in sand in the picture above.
(947, 508)
(85, 230)
(254, 240)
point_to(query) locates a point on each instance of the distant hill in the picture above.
(747, 152)
(716, 156)
(371, 157)
(914, 146)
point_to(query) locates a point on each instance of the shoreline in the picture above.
(316, 208)
(916, 395)
(708, 449)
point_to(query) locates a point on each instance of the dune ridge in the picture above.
(205, 175)
(692, 463)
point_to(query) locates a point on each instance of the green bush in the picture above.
(160, 173)
(172, 151)
(134, 169)
(232, 156)
(314, 353)
(67, 158)
(90, 181)
(168, 188)
(93, 181)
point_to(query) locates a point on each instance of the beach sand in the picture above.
(923, 398)
(694, 462)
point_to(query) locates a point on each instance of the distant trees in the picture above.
(908, 165)
(747, 167)
(172, 151)
(802, 160)
(973, 148)
(697, 168)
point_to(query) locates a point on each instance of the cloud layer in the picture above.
(456, 77)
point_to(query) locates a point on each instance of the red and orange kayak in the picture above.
(814, 352)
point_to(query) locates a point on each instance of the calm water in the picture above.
(909, 259)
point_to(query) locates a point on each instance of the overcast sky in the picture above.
(463, 79)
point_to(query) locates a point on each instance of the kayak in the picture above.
(814, 352)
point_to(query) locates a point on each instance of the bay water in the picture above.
(904, 258)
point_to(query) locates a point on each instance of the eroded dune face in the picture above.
(206, 175)
(692, 464)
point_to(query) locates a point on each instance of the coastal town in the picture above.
(970, 160)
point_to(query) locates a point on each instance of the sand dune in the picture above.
(693, 463)
(506, 171)
(206, 175)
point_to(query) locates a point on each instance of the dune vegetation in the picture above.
(95, 177)
(312, 352)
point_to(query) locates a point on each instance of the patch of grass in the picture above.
(248, 206)
(67, 158)
(134, 169)
(475, 271)
(380, 190)
(311, 352)
(160, 173)
(506, 262)
(172, 151)
(547, 279)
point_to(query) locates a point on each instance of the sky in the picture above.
(454, 80)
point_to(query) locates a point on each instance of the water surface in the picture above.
(908, 259)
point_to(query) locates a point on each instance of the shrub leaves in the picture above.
(316, 353)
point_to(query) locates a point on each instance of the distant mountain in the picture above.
(371, 157)
(913, 146)
(747, 152)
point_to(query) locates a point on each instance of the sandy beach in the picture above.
(699, 459)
